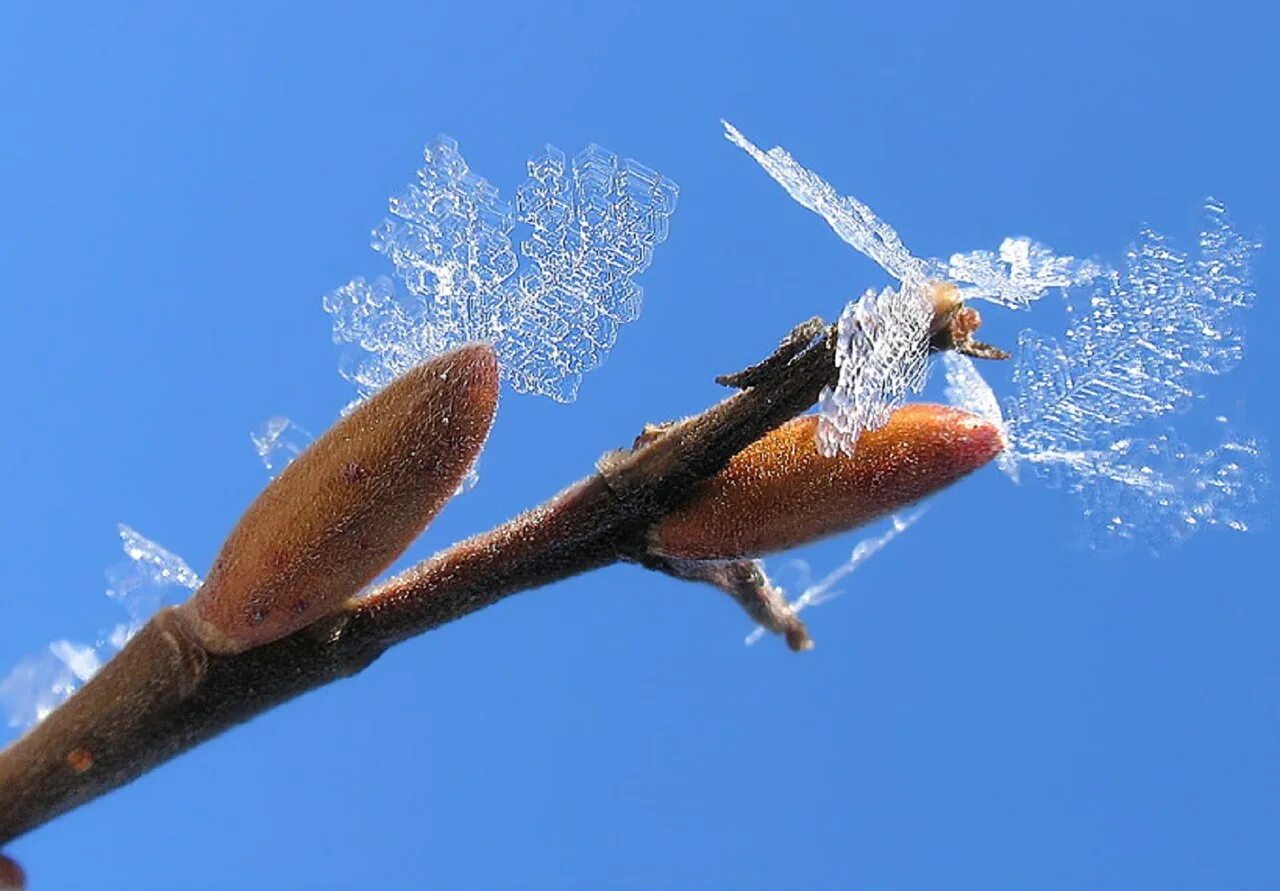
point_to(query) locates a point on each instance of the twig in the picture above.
(164, 693)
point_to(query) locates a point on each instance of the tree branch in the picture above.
(165, 693)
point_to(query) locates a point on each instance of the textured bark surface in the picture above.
(165, 693)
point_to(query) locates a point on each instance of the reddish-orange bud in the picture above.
(350, 504)
(12, 878)
(781, 492)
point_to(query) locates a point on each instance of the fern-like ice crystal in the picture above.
(592, 222)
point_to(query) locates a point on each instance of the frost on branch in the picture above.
(592, 222)
(881, 348)
(1082, 414)
(1021, 272)
(150, 577)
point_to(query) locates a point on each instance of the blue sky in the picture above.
(988, 707)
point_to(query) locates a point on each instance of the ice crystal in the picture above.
(893, 352)
(278, 441)
(1090, 413)
(818, 593)
(151, 575)
(1135, 350)
(852, 220)
(1157, 491)
(967, 389)
(38, 684)
(1134, 354)
(592, 223)
(881, 347)
(1021, 272)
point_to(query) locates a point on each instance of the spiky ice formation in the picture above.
(278, 440)
(149, 577)
(1018, 274)
(1090, 413)
(967, 389)
(881, 347)
(1138, 344)
(1136, 352)
(592, 221)
(824, 590)
(894, 345)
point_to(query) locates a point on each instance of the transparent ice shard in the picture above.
(1021, 272)
(852, 220)
(881, 348)
(39, 684)
(967, 389)
(470, 481)
(592, 222)
(825, 589)
(151, 576)
(278, 441)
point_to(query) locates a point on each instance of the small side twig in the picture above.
(746, 582)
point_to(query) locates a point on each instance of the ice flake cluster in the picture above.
(1140, 340)
(1090, 413)
(592, 222)
(882, 343)
(1087, 410)
(1017, 275)
(817, 593)
(278, 441)
(1136, 346)
(140, 585)
(883, 338)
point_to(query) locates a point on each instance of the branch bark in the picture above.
(165, 693)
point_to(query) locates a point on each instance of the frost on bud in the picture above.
(345, 508)
(781, 492)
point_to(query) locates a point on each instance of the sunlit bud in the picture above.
(350, 504)
(781, 492)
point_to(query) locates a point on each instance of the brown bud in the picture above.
(12, 878)
(350, 504)
(954, 324)
(781, 492)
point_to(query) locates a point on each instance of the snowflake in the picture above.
(592, 222)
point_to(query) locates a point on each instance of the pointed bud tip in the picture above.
(781, 492)
(350, 504)
(966, 439)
